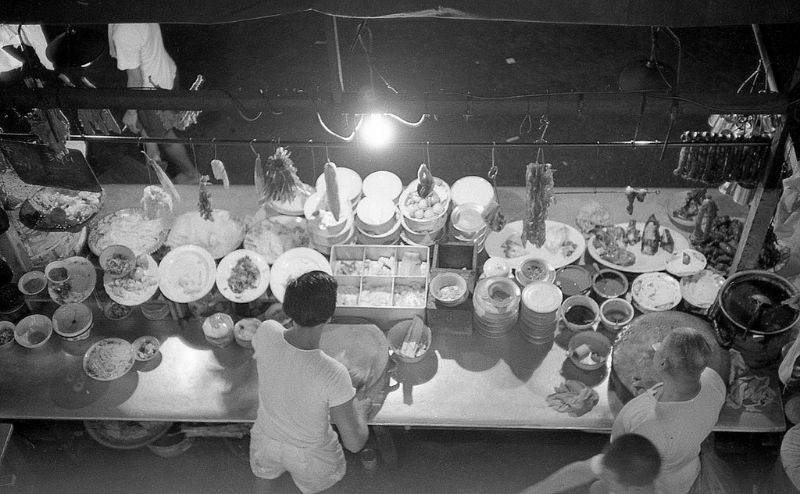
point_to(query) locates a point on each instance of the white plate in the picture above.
(701, 289)
(273, 236)
(293, 263)
(82, 280)
(224, 273)
(123, 290)
(697, 262)
(495, 240)
(656, 291)
(295, 206)
(219, 237)
(116, 347)
(187, 273)
(643, 263)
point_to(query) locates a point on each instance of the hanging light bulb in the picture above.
(376, 131)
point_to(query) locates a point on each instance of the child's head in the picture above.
(630, 464)
(310, 299)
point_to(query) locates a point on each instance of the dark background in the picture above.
(450, 57)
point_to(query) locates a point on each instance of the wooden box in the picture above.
(461, 259)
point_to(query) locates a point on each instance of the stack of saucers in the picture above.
(496, 306)
(467, 224)
(539, 312)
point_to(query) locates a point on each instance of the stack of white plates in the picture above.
(539, 312)
(496, 306)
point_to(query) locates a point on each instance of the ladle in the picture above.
(760, 301)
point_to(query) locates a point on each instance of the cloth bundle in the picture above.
(573, 397)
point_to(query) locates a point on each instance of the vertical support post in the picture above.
(762, 207)
(768, 192)
(334, 58)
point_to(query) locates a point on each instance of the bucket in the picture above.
(748, 315)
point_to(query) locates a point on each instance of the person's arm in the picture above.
(569, 477)
(131, 117)
(351, 423)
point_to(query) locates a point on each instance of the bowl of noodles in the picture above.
(108, 359)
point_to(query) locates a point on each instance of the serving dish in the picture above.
(686, 262)
(643, 263)
(45, 247)
(187, 273)
(700, 289)
(564, 245)
(129, 227)
(274, 235)
(108, 359)
(221, 235)
(59, 210)
(33, 331)
(242, 276)
(138, 286)
(125, 434)
(292, 264)
(81, 281)
(655, 292)
(145, 348)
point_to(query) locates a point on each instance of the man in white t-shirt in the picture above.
(139, 50)
(301, 391)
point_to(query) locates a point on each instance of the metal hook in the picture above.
(639, 120)
(214, 143)
(327, 154)
(493, 169)
(253, 149)
(428, 154)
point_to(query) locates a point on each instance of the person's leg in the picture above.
(177, 154)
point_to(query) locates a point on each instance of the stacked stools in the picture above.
(539, 312)
(496, 306)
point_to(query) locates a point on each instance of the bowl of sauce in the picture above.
(608, 283)
(579, 312)
(616, 313)
(573, 280)
(32, 283)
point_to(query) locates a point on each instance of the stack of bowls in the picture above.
(496, 306)
(423, 223)
(467, 224)
(382, 184)
(377, 221)
(326, 234)
(349, 182)
(472, 189)
(539, 312)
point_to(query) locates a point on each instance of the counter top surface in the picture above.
(464, 381)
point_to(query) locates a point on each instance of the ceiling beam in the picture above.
(613, 103)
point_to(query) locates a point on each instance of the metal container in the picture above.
(748, 315)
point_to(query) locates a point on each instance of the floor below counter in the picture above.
(47, 457)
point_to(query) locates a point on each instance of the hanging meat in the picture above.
(539, 195)
(651, 238)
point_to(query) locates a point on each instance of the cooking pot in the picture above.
(748, 315)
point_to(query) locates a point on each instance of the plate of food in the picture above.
(655, 292)
(242, 276)
(59, 210)
(274, 235)
(80, 277)
(187, 273)
(563, 245)
(293, 263)
(683, 207)
(219, 236)
(636, 247)
(136, 287)
(686, 263)
(45, 247)
(129, 227)
(108, 359)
